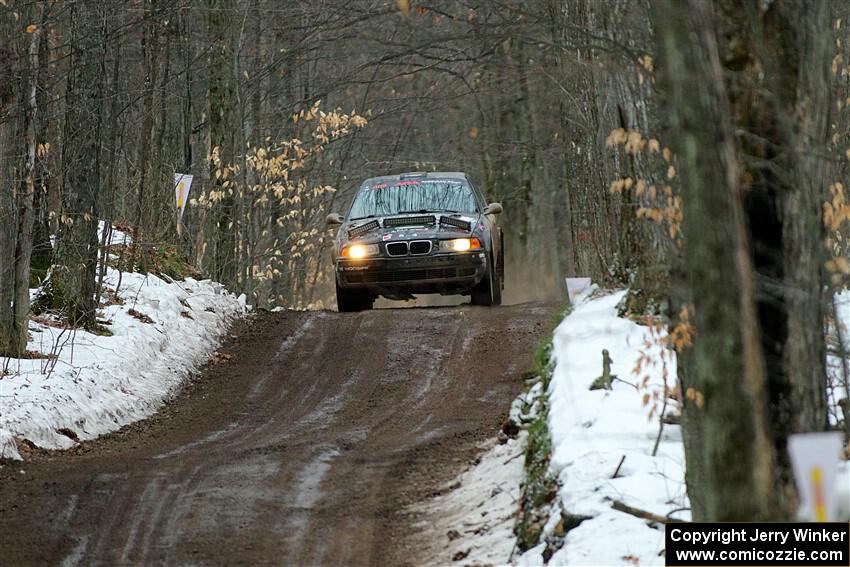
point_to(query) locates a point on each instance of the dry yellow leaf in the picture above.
(634, 142)
(617, 136)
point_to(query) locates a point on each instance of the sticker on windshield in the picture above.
(400, 183)
(379, 186)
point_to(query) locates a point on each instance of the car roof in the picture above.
(459, 175)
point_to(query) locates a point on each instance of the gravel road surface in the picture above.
(304, 442)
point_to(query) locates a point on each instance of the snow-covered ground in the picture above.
(836, 390)
(472, 523)
(117, 236)
(591, 433)
(97, 384)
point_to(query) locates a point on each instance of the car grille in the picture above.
(420, 247)
(415, 248)
(397, 249)
(393, 276)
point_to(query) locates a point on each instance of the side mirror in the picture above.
(493, 209)
(333, 219)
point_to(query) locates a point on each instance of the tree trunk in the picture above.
(222, 117)
(73, 276)
(806, 135)
(150, 49)
(733, 468)
(749, 143)
(23, 249)
(42, 253)
(9, 147)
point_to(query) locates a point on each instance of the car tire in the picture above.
(497, 288)
(501, 259)
(350, 300)
(489, 290)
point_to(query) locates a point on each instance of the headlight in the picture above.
(356, 251)
(460, 245)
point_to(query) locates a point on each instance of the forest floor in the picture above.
(311, 438)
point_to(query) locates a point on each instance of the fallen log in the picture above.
(643, 514)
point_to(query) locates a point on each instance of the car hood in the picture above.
(409, 227)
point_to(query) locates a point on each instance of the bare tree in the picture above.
(18, 104)
(748, 141)
(73, 274)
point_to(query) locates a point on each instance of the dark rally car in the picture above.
(418, 233)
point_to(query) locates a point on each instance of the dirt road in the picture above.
(302, 445)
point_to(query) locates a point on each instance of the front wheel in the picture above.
(348, 300)
(489, 290)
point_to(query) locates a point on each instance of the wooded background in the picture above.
(695, 150)
(520, 96)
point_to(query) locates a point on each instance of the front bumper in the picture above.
(434, 273)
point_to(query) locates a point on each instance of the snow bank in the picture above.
(117, 236)
(593, 430)
(835, 390)
(472, 523)
(101, 383)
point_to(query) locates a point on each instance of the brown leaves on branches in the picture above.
(658, 203)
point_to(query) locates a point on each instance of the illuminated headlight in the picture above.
(460, 245)
(356, 251)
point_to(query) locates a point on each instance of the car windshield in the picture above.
(433, 195)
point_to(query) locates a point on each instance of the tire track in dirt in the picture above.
(306, 446)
